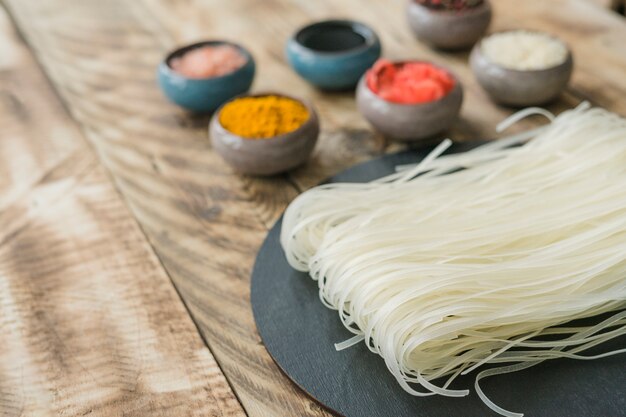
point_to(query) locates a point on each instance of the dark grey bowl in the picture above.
(520, 88)
(409, 122)
(449, 29)
(265, 156)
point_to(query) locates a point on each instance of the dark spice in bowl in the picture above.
(331, 37)
(450, 4)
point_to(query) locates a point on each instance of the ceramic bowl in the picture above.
(409, 122)
(333, 54)
(204, 94)
(449, 29)
(520, 88)
(266, 156)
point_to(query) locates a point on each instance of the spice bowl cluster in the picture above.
(409, 100)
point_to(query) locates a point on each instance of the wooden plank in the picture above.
(90, 322)
(205, 222)
(610, 4)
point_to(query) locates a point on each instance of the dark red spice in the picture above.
(409, 82)
(452, 5)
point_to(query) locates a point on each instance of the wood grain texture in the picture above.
(205, 222)
(610, 4)
(90, 322)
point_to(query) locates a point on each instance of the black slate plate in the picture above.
(299, 333)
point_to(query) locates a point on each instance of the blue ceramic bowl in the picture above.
(333, 54)
(204, 94)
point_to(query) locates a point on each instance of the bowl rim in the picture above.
(311, 120)
(360, 28)
(457, 84)
(481, 8)
(569, 57)
(167, 68)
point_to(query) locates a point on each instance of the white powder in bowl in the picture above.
(523, 50)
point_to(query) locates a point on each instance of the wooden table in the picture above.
(126, 244)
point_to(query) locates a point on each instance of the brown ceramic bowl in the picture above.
(520, 88)
(409, 122)
(449, 29)
(265, 156)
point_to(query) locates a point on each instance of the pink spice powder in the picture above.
(208, 61)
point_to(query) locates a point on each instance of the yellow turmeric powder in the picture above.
(263, 117)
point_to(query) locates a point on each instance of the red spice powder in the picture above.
(409, 82)
(208, 61)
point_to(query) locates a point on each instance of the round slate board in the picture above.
(299, 333)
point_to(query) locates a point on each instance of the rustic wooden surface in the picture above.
(617, 5)
(85, 276)
(90, 322)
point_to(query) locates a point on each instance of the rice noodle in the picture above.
(441, 271)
